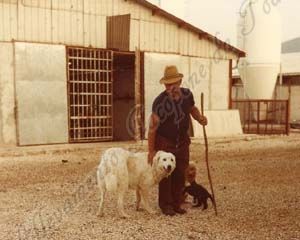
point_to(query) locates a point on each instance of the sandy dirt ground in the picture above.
(53, 195)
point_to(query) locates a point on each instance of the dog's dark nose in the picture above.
(169, 168)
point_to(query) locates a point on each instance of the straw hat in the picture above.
(171, 75)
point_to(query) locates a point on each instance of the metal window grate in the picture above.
(90, 94)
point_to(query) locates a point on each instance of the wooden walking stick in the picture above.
(206, 157)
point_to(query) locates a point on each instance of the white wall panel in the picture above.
(88, 30)
(89, 20)
(134, 34)
(58, 26)
(7, 95)
(8, 22)
(4, 26)
(152, 37)
(219, 91)
(45, 17)
(76, 26)
(67, 28)
(295, 103)
(100, 26)
(183, 42)
(142, 29)
(168, 37)
(146, 14)
(161, 27)
(13, 17)
(184, 68)
(192, 43)
(220, 124)
(125, 7)
(157, 36)
(199, 79)
(41, 93)
(198, 82)
(149, 39)
(174, 41)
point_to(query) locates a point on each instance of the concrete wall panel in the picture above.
(220, 123)
(295, 103)
(283, 93)
(199, 80)
(219, 90)
(41, 94)
(7, 93)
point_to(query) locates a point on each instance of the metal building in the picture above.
(88, 70)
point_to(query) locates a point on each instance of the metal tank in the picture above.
(259, 35)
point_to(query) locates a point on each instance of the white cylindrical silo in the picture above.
(259, 35)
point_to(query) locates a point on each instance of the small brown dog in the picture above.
(199, 193)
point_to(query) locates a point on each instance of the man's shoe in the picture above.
(179, 210)
(168, 211)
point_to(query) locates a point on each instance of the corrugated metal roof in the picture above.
(181, 23)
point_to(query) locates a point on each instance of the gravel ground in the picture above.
(256, 182)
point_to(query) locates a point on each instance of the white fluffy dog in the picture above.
(120, 170)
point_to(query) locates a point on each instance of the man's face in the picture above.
(173, 89)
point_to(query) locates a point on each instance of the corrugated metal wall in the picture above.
(72, 22)
(83, 23)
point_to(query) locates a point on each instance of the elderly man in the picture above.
(168, 131)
